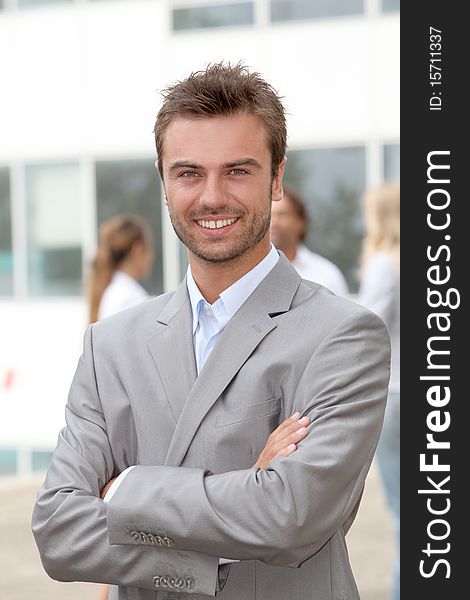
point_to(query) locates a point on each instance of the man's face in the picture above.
(286, 225)
(218, 183)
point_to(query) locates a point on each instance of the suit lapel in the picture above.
(242, 334)
(172, 350)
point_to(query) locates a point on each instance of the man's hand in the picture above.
(106, 487)
(283, 440)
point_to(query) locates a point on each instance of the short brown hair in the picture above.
(225, 90)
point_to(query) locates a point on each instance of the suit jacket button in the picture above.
(156, 581)
(168, 541)
(189, 582)
(135, 535)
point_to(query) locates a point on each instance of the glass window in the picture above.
(392, 162)
(8, 461)
(133, 187)
(6, 255)
(390, 5)
(54, 205)
(40, 460)
(291, 10)
(23, 3)
(218, 15)
(331, 181)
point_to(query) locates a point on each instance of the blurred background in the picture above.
(80, 92)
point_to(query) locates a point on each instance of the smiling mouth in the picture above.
(220, 224)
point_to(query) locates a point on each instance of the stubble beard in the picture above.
(218, 251)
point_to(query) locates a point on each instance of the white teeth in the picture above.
(216, 224)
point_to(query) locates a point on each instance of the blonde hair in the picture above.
(381, 207)
(117, 236)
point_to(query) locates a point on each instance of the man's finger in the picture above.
(283, 440)
(286, 423)
(288, 427)
(286, 451)
(293, 438)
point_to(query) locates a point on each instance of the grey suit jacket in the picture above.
(193, 496)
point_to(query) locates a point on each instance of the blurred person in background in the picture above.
(380, 292)
(289, 226)
(124, 257)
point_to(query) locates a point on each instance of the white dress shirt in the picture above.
(209, 321)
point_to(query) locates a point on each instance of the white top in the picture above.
(122, 292)
(316, 268)
(380, 292)
(209, 320)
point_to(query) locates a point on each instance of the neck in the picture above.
(290, 250)
(213, 278)
(130, 270)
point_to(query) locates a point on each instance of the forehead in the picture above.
(225, 138)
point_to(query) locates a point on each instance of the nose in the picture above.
(212, 193)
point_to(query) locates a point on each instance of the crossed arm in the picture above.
(282, 442)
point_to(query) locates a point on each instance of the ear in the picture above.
(277, 191)
(137, 248)
(165, 199)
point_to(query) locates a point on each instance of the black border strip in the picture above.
(433, 125)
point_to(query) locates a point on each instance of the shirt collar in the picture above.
(235, 295)
(195, 297)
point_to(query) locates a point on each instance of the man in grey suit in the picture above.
(173, 406)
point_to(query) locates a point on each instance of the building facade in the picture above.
(80, 91)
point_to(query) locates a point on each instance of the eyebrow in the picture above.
(228, 165)
(242, 161)
(183, 164)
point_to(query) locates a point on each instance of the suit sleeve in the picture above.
(285, 514)
(69, 518)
